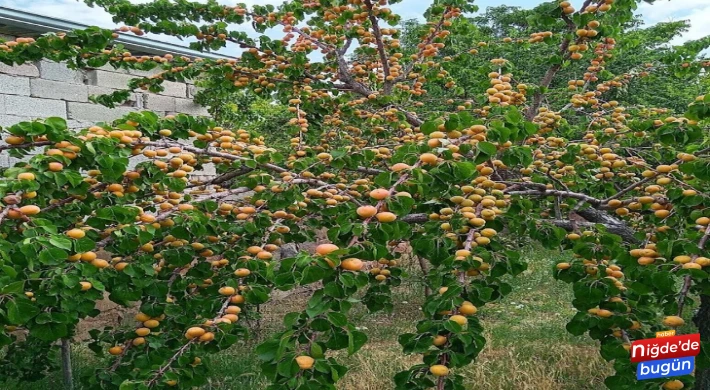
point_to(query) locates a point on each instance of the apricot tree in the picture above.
(372, 161)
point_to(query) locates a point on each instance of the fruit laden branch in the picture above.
(421, 136)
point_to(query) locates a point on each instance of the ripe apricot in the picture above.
(207, 337)
(664, 168)
(379, 194)
(459, 319)
(468, 309)
(324, 249)
(673, 321)
(673, 385)
(352, 264)
(88, 256)
(488, 232)
(138, 341)
(14, 140)
(76, 233)
(227, 290)
(604, 313)
(26, 176)
(386, 216)
(151, 324)
(428, 158)
(100, 263)
(439, 370)
(241, 273)
(142, 317)
(30, 210)
(194, 332)
(305, 362)
(692, 266)
(483, 240)
(400, 167)
(439, 340)
(662, 213)
(366, 211)
(233, 310)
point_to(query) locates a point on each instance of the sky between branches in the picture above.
(696, 11)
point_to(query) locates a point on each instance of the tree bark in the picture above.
(289, 250)
(612, 224)
(425, 272)
(624, 232)
(702, 321)
(66, 364)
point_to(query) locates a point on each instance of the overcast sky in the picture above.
(697, 11)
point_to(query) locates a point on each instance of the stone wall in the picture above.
(45, 89)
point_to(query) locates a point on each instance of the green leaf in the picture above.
(356, 340)
(266, 351)
(514, 116)
(52, 256)
(312, 274)
(84, 245)
(316, 351)
(14, 288)
(337, 319)
(486, 148)
(61, 242)
(464, 170)
(428, 127)
(288, 367)
(19, 311)
(452, 123)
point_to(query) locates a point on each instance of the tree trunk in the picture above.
(425, 272)
(66, 364)
(702, 321)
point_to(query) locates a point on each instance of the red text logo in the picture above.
(665, 348)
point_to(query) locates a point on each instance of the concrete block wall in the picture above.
(44, 89)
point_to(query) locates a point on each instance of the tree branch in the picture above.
(622, 231)
(27, 145)
(688, 281)
(380, 47)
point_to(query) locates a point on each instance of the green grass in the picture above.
(527, 344)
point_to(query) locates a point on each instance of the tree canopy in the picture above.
(576, 127)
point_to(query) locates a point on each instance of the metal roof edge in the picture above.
(42, 23)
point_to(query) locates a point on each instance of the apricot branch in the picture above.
(688, 280)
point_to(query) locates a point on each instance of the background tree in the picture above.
(375, 161)
(636, 48)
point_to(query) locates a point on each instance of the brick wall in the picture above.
(44, 89)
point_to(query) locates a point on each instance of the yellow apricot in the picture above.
(673, 321)
(305, 362)
(352, 264)
(439, 370)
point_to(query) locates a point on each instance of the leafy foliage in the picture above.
(426, 136)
